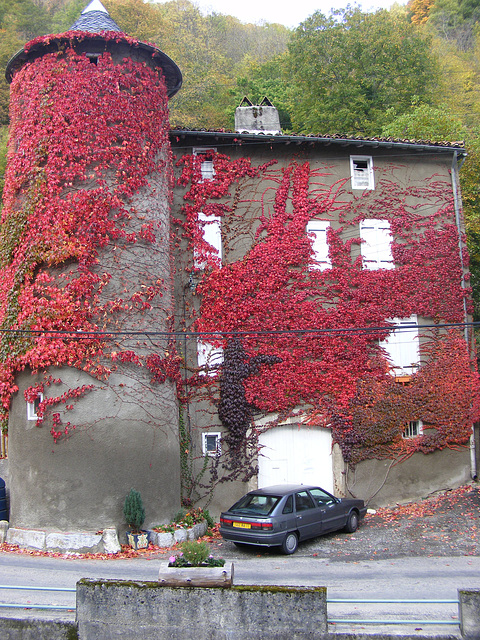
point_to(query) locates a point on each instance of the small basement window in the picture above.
(32, 407)
(414, 429)
(211, 444)
(361, 169)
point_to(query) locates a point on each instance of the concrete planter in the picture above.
(196, 576)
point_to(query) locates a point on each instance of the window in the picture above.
(288, 508)
(303, 501)
(209, 358)
(321, 497)
(361, 171)
(212, 233)
(376, 246)
(318, 229)
(206, 167)
(402, 346)
(414, 429)
(32, 407)
(211, 444)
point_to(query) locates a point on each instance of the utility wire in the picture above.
(87, 335)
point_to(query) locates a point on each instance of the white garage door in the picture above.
(293, 454)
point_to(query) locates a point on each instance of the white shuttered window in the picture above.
(317, 229)
(402, 346)
(376, 246)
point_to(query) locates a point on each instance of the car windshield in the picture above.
(255, 505)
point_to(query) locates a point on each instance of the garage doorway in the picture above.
(296, 454)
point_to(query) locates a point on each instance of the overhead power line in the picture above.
(86, 335)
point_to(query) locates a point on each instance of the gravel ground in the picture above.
(447, 524)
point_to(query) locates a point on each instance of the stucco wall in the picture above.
(416, 478)
(81, 481)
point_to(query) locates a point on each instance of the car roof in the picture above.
(283, 489)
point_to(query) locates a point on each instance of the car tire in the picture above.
(352, 522)
(290, 543)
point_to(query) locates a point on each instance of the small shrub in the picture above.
(133, 511)
(195, 552)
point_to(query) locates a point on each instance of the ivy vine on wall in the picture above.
(288, 310)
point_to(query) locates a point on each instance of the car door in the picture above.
(307, 516)
(332, 513)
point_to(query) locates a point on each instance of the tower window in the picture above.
(32, 407)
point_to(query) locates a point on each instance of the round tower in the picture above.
(87, 379)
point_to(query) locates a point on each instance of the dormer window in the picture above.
(93, 57)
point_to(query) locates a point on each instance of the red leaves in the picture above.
(83, 147)
(272, 287)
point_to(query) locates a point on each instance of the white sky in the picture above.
(287, 12)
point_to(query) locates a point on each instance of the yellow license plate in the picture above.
(242, 525)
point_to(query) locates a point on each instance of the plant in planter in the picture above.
(134, 514)
(195, 554)
(195, 566)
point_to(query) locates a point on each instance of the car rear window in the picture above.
(255, 505)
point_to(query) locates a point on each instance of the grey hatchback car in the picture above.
(283, 515)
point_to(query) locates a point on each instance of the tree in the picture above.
(349, 68)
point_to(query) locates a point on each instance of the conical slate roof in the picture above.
(95, 19)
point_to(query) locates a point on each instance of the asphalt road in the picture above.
(403, 578)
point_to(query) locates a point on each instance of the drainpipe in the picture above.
(458, 219)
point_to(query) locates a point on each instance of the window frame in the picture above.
(206, 353)
(393, 346)
(212, 235)
(320, 247)
(32, 407)
(208, 172)
(413, 430)
(218, 439)
(377, 255)
(362, 181)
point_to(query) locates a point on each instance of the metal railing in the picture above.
(60, 607)
(390, 621)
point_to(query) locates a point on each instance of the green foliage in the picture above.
(195, 552)
(349, 68)
(424, 122)
(133, 510)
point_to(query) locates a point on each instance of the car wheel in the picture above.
(290, 543)
(352, 522)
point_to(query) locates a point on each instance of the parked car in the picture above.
(283, 515)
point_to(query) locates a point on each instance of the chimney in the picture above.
(262, 118)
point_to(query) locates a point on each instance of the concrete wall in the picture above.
(12, 629)
(117, 609)
(415, 478)
(80, 483)
(469, 610)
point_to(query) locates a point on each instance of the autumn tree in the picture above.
(348, 68)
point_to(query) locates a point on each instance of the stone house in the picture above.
(294, 308)
(375, 212)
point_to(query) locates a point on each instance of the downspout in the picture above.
(468, 339)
